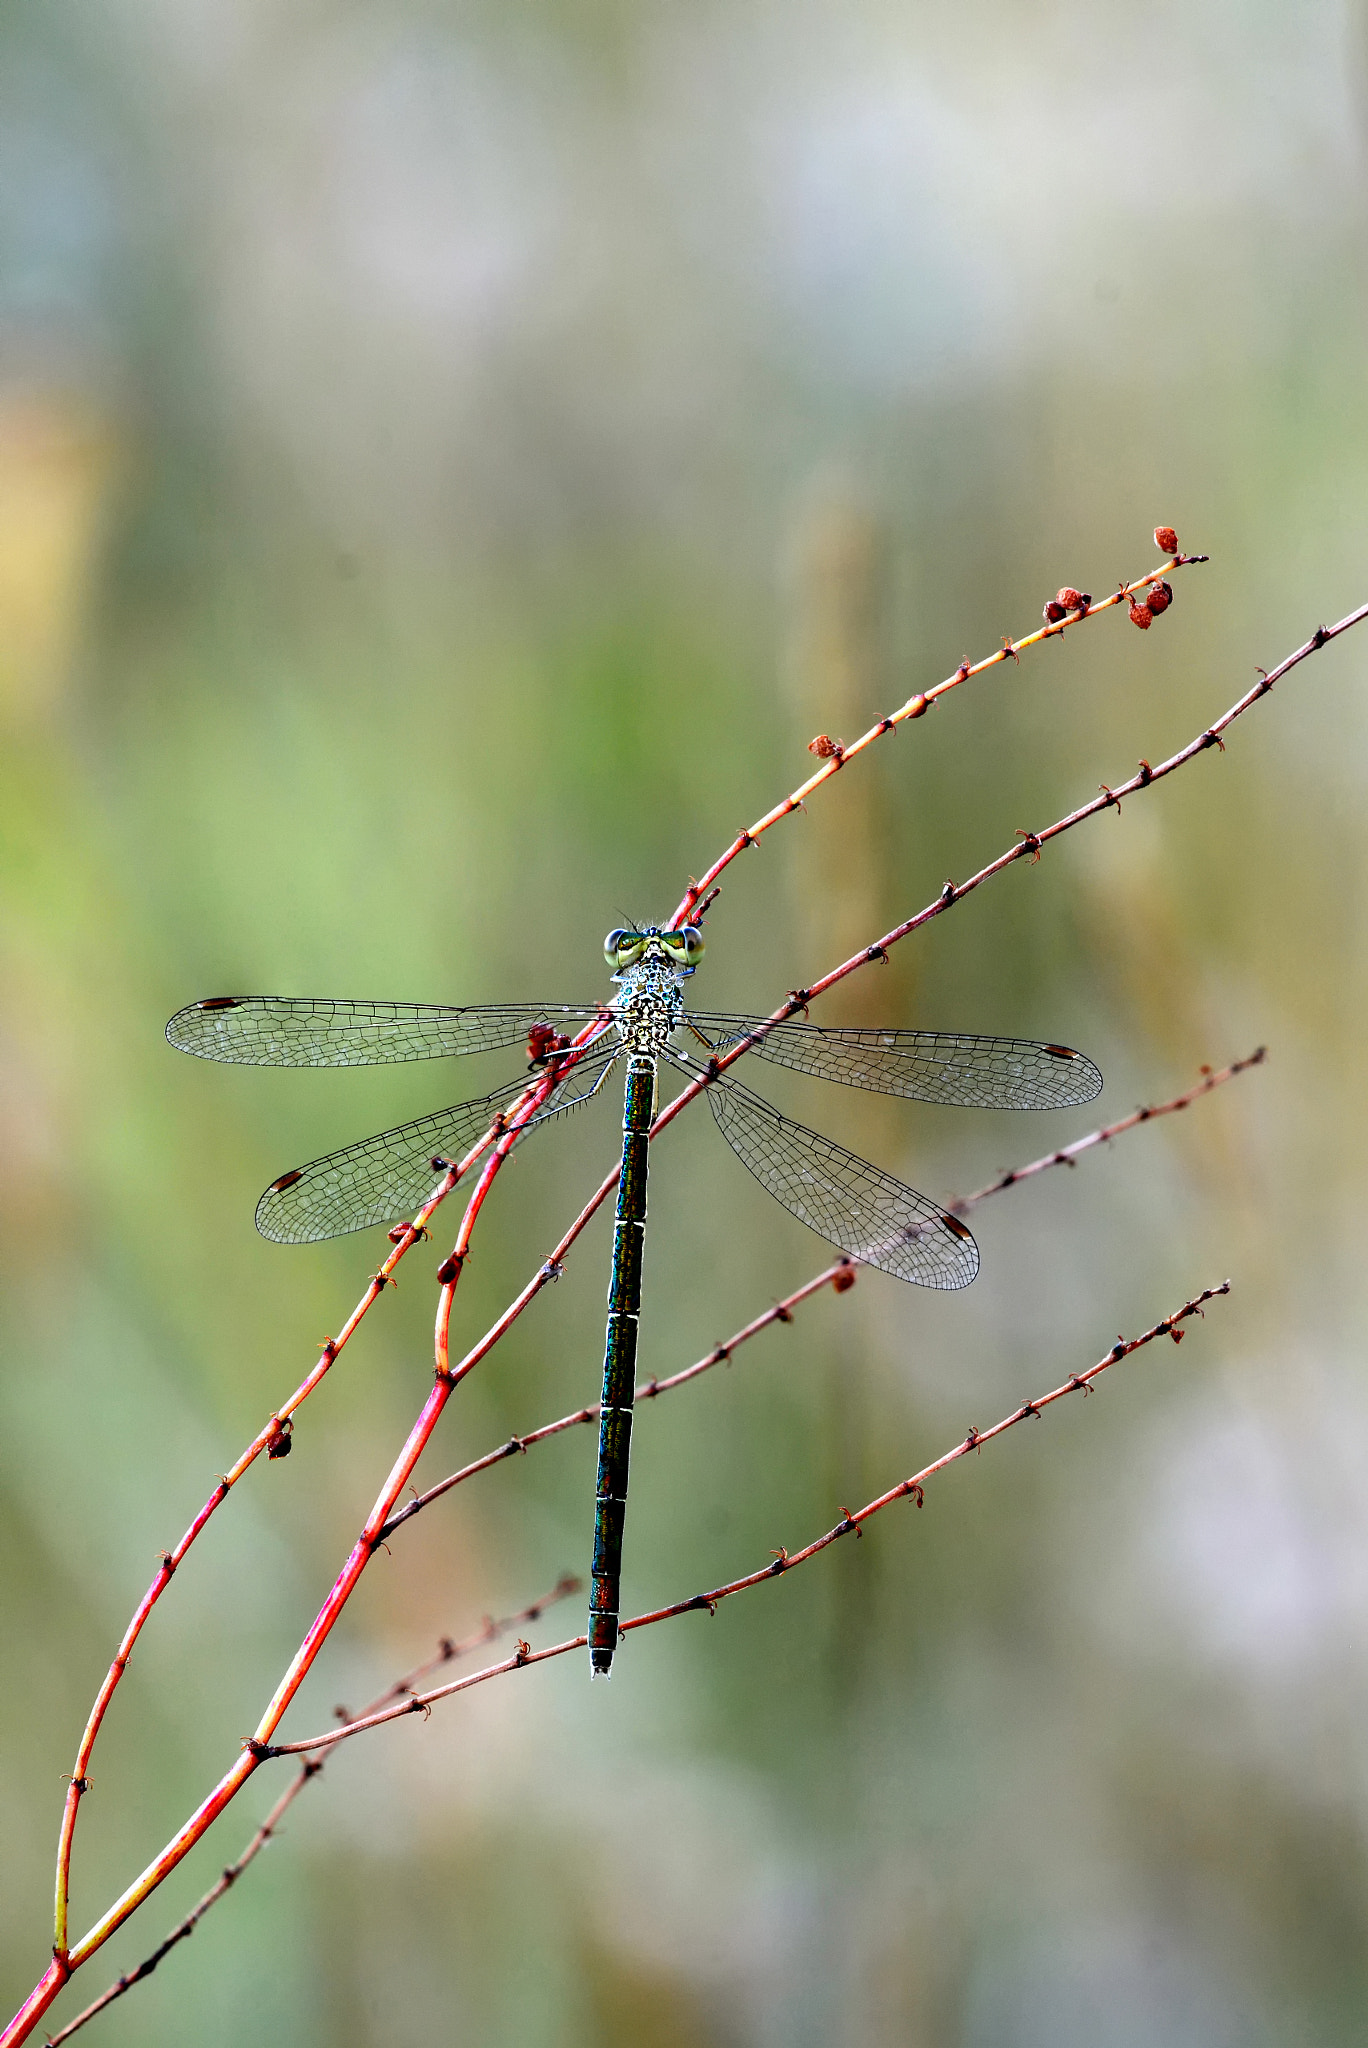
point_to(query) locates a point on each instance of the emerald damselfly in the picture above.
(846, 1199)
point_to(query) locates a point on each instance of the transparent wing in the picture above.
(336, 1031)
(843, 1198)
(931, 1066)
(385, 1178)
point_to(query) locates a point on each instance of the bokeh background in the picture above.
(452, 459)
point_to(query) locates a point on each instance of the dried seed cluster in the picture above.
(1144, 611)
(1065, 601)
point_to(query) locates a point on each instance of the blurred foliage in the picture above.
(452, 459)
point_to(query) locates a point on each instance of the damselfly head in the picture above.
(623, 949)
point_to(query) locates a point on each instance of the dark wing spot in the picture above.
(953, 1224)
(1061, 1052)
(287, 1180)
(220, 1003)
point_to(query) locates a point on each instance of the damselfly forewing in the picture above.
(845, 1199)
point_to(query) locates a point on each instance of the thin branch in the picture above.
(276, 1431)
(447, 1651)
(489, 1632)
(840, 1276)
(781, 1560)
(836, 756)
(228, 1878)
(1027, 848)
(213, 1805)
(1068, 1155)
(270, 1437)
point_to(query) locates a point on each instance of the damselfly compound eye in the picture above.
(684, 946)
(624, 949)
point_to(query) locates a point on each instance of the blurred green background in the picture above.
(452, 459)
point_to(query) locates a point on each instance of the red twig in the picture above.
(1024, 849)
(511, 1122)
(198, 1823)
(446, 1653)
(1020, 849)
(1067, 1155)
(362, 1551)
(836, 756)
(781, 1560)
(799, 999)
(838, 1276)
